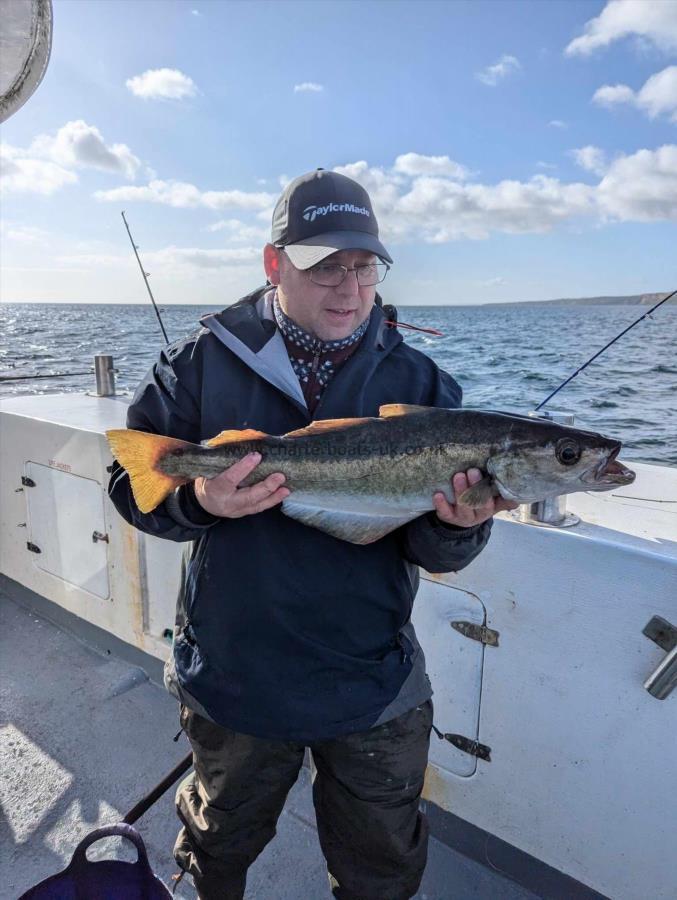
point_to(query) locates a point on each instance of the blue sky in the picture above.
(513, 150)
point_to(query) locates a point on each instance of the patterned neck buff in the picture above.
(315, 362)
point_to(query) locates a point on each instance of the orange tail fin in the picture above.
(139, 453)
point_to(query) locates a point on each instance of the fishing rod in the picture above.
(605, 347)
(392, 320)
(145, 277)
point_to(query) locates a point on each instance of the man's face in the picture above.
(330, 313)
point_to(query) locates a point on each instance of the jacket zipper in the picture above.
(312, 378)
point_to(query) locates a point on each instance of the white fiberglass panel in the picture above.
(64, 512)
(454, 665)
(163, 580)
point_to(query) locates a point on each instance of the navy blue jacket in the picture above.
(283, 631)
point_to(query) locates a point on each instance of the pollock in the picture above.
(359, 479)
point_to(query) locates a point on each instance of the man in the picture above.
(287, 637)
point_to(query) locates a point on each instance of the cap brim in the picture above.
(312, 251)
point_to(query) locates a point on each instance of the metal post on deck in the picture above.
(105, 375)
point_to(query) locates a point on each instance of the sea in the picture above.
(505, 357)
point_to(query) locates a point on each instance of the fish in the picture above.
(359, 479)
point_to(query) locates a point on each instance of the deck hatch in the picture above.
(454, 665)
(64, 510)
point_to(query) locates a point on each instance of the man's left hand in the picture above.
(462, 515)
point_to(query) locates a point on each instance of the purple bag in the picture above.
(105, 880)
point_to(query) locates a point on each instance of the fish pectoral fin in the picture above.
(348, 525)
(233, 436)
(480, 493)
(400, 409)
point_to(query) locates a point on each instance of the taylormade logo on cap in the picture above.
(310, 213)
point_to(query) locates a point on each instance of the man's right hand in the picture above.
(222, 496)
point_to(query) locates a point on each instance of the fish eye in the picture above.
(567, 451)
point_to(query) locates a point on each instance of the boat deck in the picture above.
(84, 736)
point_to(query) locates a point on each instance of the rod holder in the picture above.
(105, 375)
(551, 512)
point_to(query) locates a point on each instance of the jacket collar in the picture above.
(243, 320)
(259, 344)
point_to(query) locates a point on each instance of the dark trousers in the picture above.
(366, 791)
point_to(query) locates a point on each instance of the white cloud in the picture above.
(48, 164)
(437, 209)
(610, 94)
(416, 164)
(84, 261)
(183, 195)
(79, 145)
(162, 84)
(641, 187)
(493, 282)
(20, 174)
(24, 234)
(308, 87)
(448, 211)
(239, 231)
(557, 123)
(545, 165)
(194, 257)
(170, 193)
(658, 95)
(493, 74)
(590, 158)
(653, 20)
(161, 261)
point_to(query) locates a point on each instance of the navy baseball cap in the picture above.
(322, 212)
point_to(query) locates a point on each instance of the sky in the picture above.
(513, 150)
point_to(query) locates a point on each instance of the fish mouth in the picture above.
(609, 473)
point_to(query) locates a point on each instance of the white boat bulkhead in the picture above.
(536, 651)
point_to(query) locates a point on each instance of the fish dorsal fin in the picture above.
(234, 436)
(322, 425)
(348, 525)
(400, 409)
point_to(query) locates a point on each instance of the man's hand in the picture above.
(221, 495)
(459, 513)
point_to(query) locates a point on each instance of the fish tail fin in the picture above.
(139, 453)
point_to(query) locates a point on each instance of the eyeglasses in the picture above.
(332, 274)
